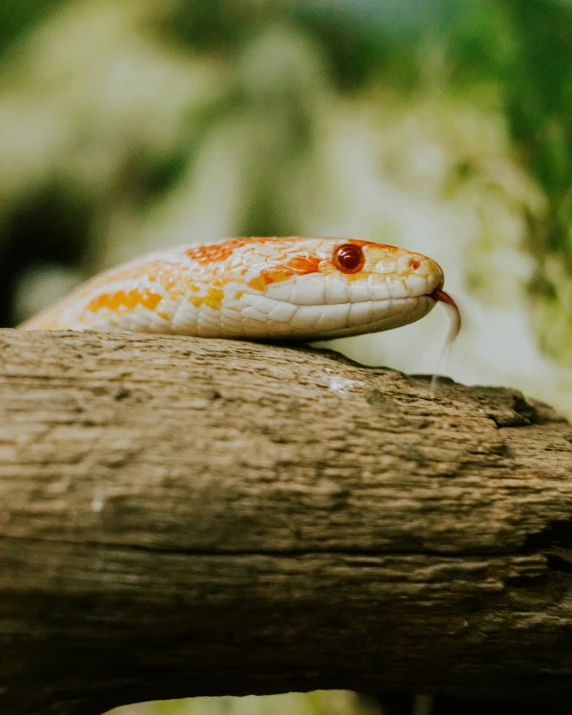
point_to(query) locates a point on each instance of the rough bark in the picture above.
(183, 517)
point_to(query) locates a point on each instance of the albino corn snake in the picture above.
(290, 288)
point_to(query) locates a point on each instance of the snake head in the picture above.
(390, 273)
(321, 288)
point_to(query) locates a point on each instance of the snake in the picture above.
(291, 288)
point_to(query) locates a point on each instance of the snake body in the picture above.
(293, 288)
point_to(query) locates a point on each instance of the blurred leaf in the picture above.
(18, 17)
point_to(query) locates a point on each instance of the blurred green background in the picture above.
(442, 126)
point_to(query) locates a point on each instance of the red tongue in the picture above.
(441, 297)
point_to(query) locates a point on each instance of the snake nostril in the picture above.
(414, 264)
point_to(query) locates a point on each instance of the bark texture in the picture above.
(185, 517)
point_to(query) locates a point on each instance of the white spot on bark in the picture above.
(98, 499)
(341, 384)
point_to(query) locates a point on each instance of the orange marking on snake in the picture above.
(206, 255)
(258, 283)
(113, 301)
(214, 298)
(175, 279)
(297, 266)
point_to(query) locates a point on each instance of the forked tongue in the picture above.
(440, 296)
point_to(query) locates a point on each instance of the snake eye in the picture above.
(349, 258)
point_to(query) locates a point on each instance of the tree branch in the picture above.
(186, 517)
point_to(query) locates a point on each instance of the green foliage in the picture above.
(19, 17)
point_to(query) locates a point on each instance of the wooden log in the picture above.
(185, 517)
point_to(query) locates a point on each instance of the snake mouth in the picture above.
(440, 296)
